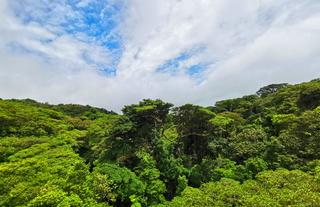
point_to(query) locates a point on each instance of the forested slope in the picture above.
(258, 150)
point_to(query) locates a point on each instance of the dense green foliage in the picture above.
(258, 150)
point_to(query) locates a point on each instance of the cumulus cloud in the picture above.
(50, 51)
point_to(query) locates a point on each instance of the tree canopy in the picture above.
(257, 150)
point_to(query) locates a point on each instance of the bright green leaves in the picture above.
(283, 119)
(55, 197)
(250, 142)
(40, 166)
(135, 201)
(134, 142)
(243, 106)
(195, 156)
(150, 175)
(153, 112)
(221, 121)
(113, 183)
(182, 184)
(17, 118)
(272, 188)
(254, 165)
(140, 128)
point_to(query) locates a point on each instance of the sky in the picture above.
(111, 53)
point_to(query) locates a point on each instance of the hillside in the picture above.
(258, 150)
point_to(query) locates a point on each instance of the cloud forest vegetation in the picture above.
(258, 150)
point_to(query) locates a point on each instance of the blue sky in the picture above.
(90, 22)
(109, 53)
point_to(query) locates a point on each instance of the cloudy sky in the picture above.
(109, 53)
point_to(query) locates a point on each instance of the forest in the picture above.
(258, 150)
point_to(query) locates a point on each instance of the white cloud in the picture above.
(247, 44)
(59, 48)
